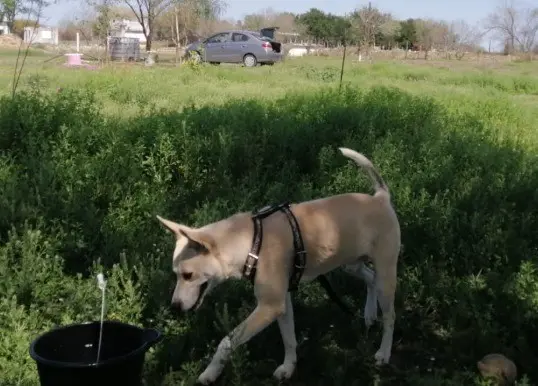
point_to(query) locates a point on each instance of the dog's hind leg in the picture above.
(263, 315)
(385, 283)
(361, 271)
(287, 330)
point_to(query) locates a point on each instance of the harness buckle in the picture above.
(250, 263)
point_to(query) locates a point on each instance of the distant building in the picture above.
(41, 35)
(127, 29)
(4, 28)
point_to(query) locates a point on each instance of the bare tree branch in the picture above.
(463, 38)
(367, 22)
(34, 9)
(146, 13)
(516, 27)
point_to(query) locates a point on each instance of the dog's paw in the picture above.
(284, 371)
(370, 317)
(209, 376)
(381, 358)
(370, 314)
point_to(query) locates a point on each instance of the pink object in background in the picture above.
(74, 59)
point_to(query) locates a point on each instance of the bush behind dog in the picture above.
(81, 191)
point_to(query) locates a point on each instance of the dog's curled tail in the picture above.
(379, 184)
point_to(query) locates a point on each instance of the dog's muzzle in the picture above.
(178, 305)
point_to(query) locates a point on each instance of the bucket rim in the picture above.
(148, 343)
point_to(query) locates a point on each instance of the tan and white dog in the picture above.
(339, 231)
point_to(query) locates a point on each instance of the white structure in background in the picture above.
(297, 51)
(127, 29)
(41, 35)
(4, 28)
(301, 50)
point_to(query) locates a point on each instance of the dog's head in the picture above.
(196, 264)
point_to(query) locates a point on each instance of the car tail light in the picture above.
(266, 45)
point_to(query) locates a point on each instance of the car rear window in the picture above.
(237, 37)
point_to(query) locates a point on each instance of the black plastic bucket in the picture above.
(67, 356)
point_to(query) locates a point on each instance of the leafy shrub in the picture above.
(80, 195)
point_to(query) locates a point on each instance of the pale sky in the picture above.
(473, 11)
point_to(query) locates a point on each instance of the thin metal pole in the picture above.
(342, 70)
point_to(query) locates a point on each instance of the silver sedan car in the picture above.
(237, 46)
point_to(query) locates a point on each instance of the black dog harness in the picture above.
(299, 261)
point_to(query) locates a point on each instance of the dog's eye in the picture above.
(186, 275)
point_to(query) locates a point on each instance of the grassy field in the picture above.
(89, 157)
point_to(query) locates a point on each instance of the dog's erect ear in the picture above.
(172, 226)
(198, 239)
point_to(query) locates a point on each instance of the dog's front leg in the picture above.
(287, 330)
(261, 317)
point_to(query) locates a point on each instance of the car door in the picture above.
(214, 47)
(239, 46)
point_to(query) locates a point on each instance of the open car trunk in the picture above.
(269, 34)
(276, 46)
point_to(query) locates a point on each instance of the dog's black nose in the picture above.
(177, 305)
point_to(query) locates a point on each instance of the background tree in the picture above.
(104, 12)
(407, 34)
(265, 18)
(253, 21)
(340, 30)
(33, 9)
(185, 16)
(388, 33)
(10, 10)
(515, 26)
(315, 23)
(285, 21)
(84, 23)
(208, 16)
(101, 26)
(464, 38)
(367, 22)
(327, 29)
(147, 12)
(19, 24)
(423, 41)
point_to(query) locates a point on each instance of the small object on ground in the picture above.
(151, 58)
(499, 368)
(74, 59)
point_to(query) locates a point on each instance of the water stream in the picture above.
(101, 283)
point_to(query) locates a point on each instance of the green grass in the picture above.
(85, 169)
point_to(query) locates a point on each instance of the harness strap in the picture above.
(299, 260)
(299, 263)
(249, 270)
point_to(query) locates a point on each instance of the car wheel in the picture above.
(196, 57)
(250, 60)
